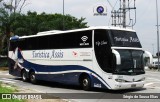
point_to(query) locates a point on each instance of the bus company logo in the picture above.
(123, 39)
(100, 11)
(47, 54)
(75, 54)
(84, 39)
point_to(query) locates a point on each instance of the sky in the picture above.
(145, 15)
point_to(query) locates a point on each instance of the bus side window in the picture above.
(13, 45)
(103, 51)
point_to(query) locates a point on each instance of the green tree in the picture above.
(13, 22)
(8, 10)
(32, 23)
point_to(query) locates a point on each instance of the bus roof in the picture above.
(75, 30)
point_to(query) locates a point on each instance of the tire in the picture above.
(86, 83)
(33, 78)
(24, 76)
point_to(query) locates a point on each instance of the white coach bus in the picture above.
(101, 57)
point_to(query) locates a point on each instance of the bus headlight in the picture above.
(119, 80)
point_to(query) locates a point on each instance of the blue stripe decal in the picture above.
(48, 68)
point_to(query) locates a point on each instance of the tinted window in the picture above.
(124, 39)
(21, 43)
(13, 45)
(41, 42)
(55, 41)
(103, 50)
(82, 39)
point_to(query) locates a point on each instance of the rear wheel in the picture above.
(86, 83)
(33, 78)
(24, 76)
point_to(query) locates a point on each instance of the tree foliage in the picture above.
(8, 9)
(13, 22)
(32, 23)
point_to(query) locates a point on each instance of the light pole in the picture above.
(153, 49)
(157, 33)
(131, 22)
(63, 17)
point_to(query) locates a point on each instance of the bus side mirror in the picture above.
(150, 57)
(118, 57)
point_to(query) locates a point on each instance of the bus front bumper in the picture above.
(130, 85)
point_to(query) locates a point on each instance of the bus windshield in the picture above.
(124, 39)
(131, 62)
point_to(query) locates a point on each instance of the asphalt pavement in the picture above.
(75, 93)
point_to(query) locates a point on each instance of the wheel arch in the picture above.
(27, 73)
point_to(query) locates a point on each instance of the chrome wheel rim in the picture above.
(85, 82)
(24, 76)
(32, 77)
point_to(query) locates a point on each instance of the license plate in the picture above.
(133, 85)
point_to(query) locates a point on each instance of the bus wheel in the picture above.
(86, 83)
(33, 78)
(24, 76)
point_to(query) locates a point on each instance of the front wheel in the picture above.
(86, 83)
(33, 78)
